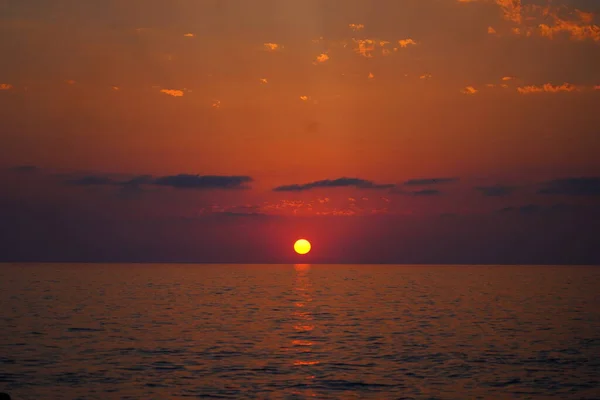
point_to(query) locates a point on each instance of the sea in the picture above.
(180, 331)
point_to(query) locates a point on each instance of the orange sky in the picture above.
(491, 92)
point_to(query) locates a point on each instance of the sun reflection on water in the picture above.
(303, 320)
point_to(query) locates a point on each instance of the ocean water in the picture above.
(91, 331)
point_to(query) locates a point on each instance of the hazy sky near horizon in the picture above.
(396, 131)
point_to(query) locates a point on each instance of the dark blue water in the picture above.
(294, 332)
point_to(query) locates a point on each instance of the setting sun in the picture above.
(302, 246)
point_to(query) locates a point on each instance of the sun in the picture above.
(302, 246)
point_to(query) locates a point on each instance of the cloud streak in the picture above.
(333, 183)
(172, 92)
(588, 186)
(180, 181)
(429, 181)
(495, 191)
(548, 88)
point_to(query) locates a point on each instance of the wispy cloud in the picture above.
(469, 90)
(548, 88)
(576, 29)
(429, 181)
(356, 27)
(496, 190)
(187, 181)
(364, 47)
(272, 46)
(406, 42)
(263, 81)
(189, 35)
(321, 58)
(5, 86)
(333, 183)
(172, 92)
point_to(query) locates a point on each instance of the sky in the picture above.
(404, 131)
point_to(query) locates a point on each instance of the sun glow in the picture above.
(302, 246)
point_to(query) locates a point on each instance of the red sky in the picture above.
(161, 119)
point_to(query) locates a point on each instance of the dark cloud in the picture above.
(181, 181)
(24, 168)
(527, 209)
(334, 183)
(186, 181)
(93, 180)
(573, 187)
(139, 180)
(429, 181)
(242, 214)
(417, 193)
(427, 192)
(495, 191)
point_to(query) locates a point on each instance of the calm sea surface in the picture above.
(126, 331)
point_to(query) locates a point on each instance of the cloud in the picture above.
(371, 76)
(115, 88)
(406, 42)
(190, 35)
(71, 82)
(364, 47)
(511, 9)
(138, 180)
(180, 181)
(5, 86)
(188, 181)
(216, 104)
(548, 88)
(304, 98)
(425, 76)
(491, 30)
(429, 181)
(93, 180)
(426, 192)
(356, 27)
(495, 191)
(469, 90)
(333, 183)
(272, 46)
(263, 81)
(589, 186)
(578, 30)
(416, 193)
(321, 58)
(24, 168)
(507, 78)
(172, 92)
(526, 209)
